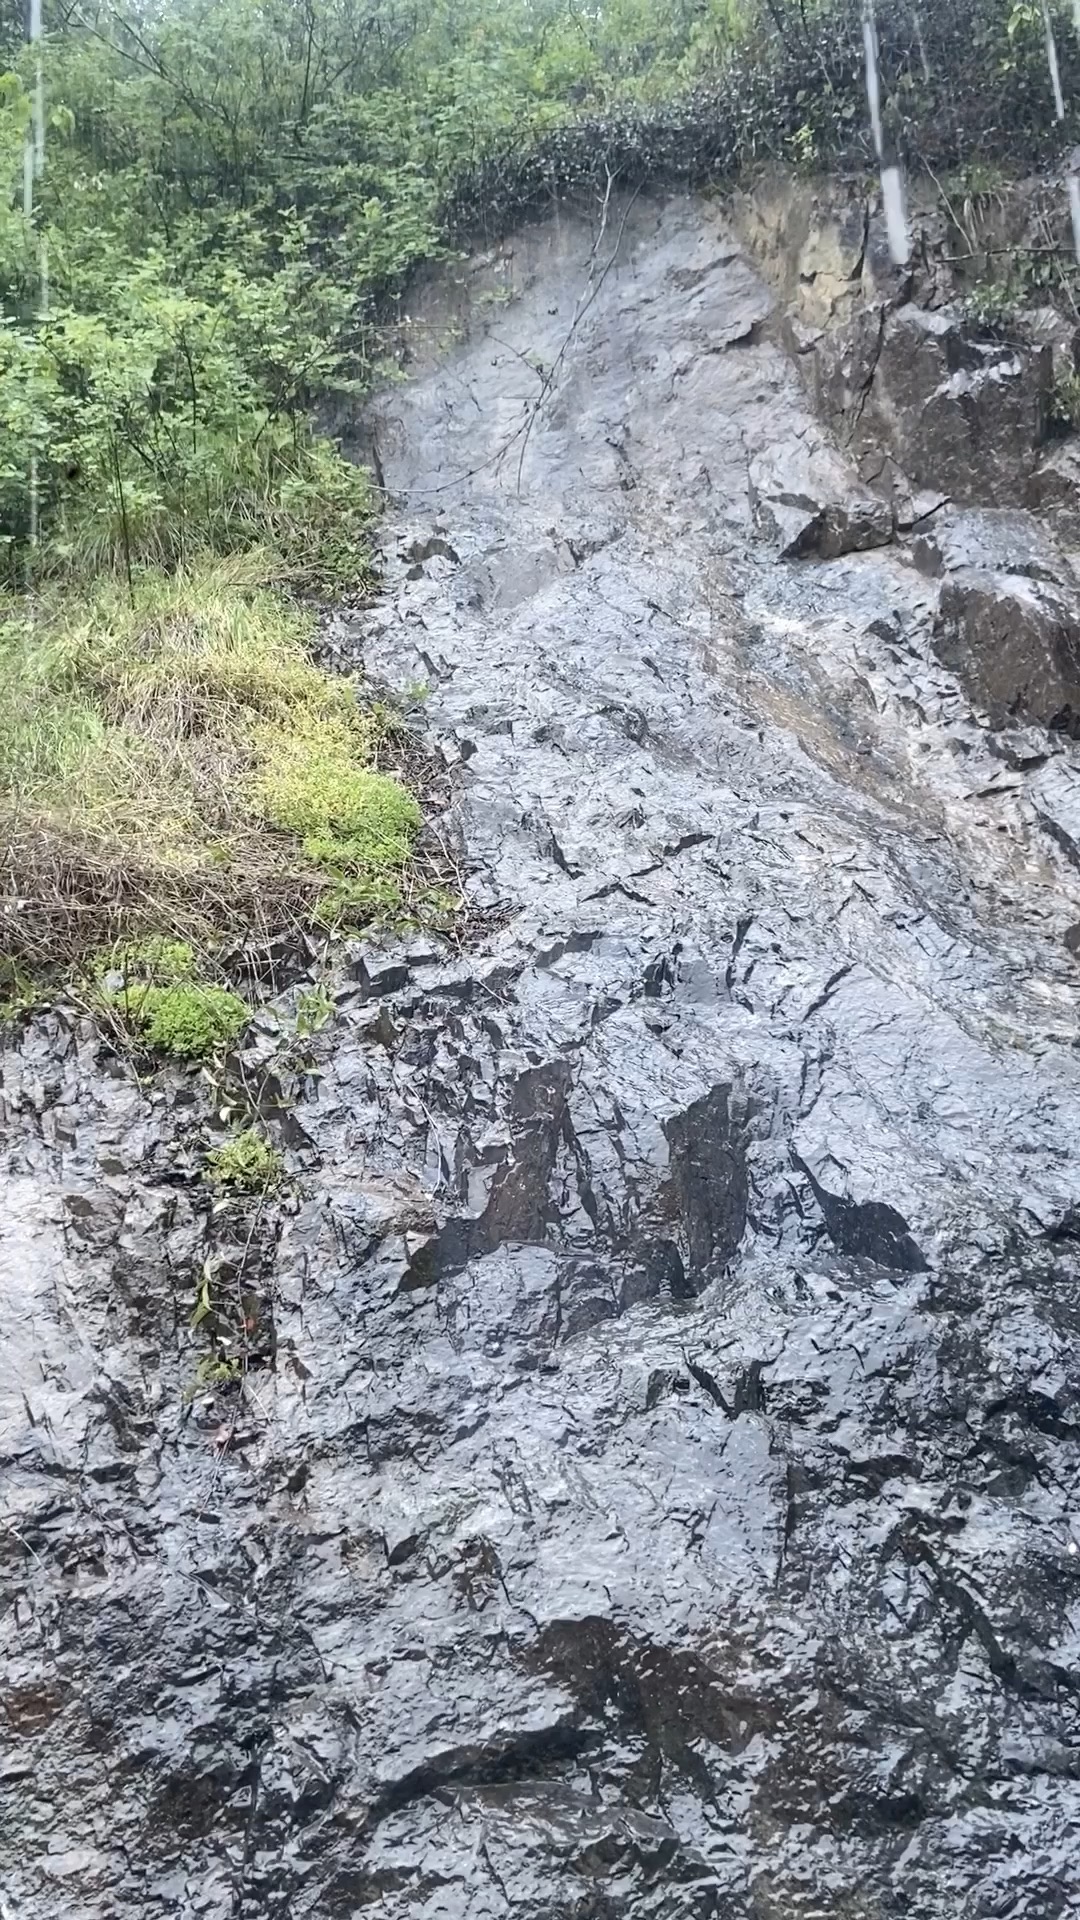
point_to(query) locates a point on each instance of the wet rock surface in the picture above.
(659, 1496)
(1008, 618)
(956, 412)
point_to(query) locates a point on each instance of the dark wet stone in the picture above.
(1008, 619)
(654, 1489)
(949, 411)
(1016, 646)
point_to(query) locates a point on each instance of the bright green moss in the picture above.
(187, 1021)
(350, 819)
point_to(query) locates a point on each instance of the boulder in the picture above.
(806, 501)
(1008, 617)
(963, 415)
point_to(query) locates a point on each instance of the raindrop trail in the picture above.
(1052, 59)
(892, 185)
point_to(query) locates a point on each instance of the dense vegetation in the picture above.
(234, 190)
(231, 184)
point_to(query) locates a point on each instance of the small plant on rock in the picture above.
(247, 1163)
(992, 306)
(314, 1010)
(154, 986)
(189, 1022)
(1065, 403)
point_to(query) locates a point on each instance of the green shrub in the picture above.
(247, 1163)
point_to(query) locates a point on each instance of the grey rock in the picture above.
(960, 415)
(653, 1487)
(806, 501)
(1008, 620)
(1055, 794)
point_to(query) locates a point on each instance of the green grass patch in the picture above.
(174, 760)
(156, 990)
(247, 1163)
(188, 1022)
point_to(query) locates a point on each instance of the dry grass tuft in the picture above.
(139, 746)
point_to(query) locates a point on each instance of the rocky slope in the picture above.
(660, 1496)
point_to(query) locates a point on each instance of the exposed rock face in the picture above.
(659, 1494)
(1008, 618)
(922, 399)
(963, 416)
(807, 501)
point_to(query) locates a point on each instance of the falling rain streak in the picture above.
(1052, 59)
(1073, 178)
(33, 165)
(892, 185)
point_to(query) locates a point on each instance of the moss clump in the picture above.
(156, 988)
(349, 818)
(247, 1163)
(187, 1021)
(358, 825)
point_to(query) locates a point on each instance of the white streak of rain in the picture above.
(873, 87)
(892, 185)
(1052, 61)
(1074, 209)
(892, 196)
